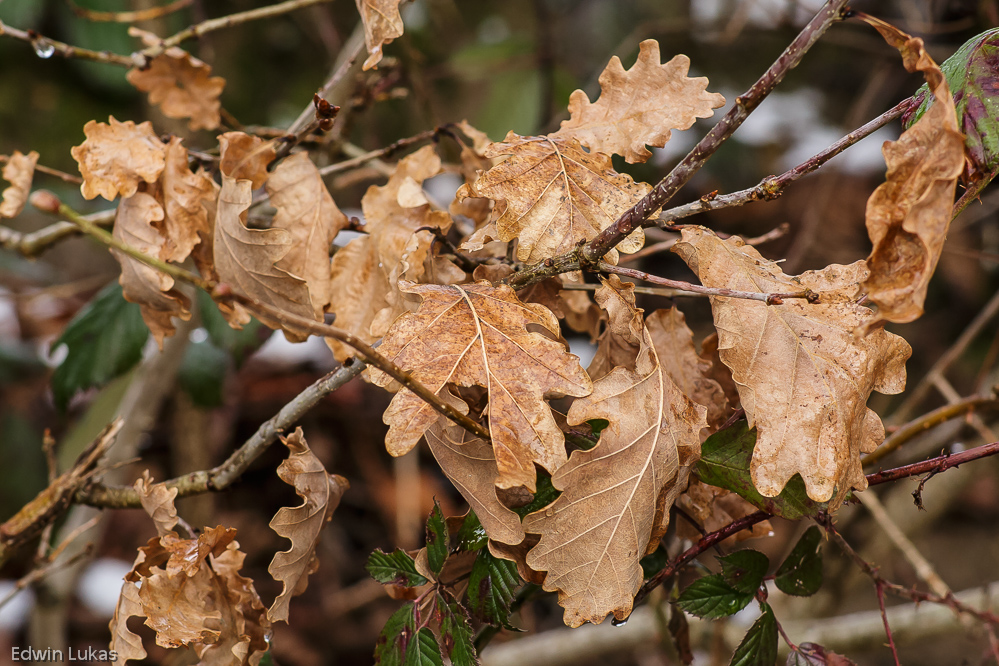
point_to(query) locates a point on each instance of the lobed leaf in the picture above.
(19, 172)
(382, 24)
(117, 156)
(803, 377)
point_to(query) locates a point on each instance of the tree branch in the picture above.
(32, 244)
(934, 465)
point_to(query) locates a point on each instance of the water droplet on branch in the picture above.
(43, 47)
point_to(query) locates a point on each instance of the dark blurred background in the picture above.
(503, 65)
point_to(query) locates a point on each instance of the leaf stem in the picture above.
(41, 44)
(830, 13)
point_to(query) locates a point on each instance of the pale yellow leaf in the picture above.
(803, 378)
(116, 157)
(639, 106)
(320, 493)
(19, 171)
(478, 335)
(614, 506)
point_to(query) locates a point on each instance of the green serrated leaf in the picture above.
(711, 597)
(239, 343)
(437, 539)
(103, 341)
(202, 373)
(744, 570)
(725, 458)
(759, 647)
(423, 650)
(801, 572)
(971, 76)
(545, 495)
(393, 641)
(457, 635)
(396, 568)
(491, 588)
(471, 535)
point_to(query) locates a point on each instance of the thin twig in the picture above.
(41, 168)
(346, 165)
(830, 13)
(42, 44)
(925, 422)
(651, 291)
(32, 244)
(41, 572)
(879, 588)
(349, 57)
(769, 299)
(128, 17)
(772, 187)
(935, 465)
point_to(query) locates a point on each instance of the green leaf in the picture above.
(491, 587)
(654, 562)
(545, 495)
(744, 570)
(437, 539)
(239, 343)
(103, 341)
(457, 634)
(203, 372)
(393, 642)
(801, 572)
(971, 76)
(423, 650)
(759, 647)
(725, 458)
(396, 568)
(471, 534)
(711, 597)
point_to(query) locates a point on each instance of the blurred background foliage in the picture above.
(503, 65)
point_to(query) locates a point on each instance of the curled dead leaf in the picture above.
(909, 214)
(117, 156)
(803, 378)
(180, 84)
(19, 171)
(245, 157)
(639, 106)
(614, 506)
(158, 502)
(713, 508)
(478, 335)
(382, 23)
(320, 493)
(185, 197)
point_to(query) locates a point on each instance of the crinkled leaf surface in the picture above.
(158, 502)
(491, 588)
(382, 23)
(615, 497)
(556, 195)
(908, 216)
(320, 493)
(183, 195)
(803, 377)
(104, 341)
(477, 335)
(19, 171)
(639, 106)
(245, 157)
(307, 211)
(971, 76)
(180, 84)
(116, 157)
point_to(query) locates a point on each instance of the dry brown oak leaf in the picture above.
(477, 335)
(803, 377)
(713, 508)
(614, 506)
(382, 23)
(674, 343)
(469, 463)
(909, 214)
(556, 195)
(245, 258)
(185, 196)
(158, 502)
(320, 493)
(180, 84)
(365, 272)
(116, 157)
(307, 211)
(137, 225)
(19, 171)
(639, 106)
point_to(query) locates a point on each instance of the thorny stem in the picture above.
(879, 588)
(769, 299)
(925, 422)
(935, 465)
(830, 13)
(772, 187)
